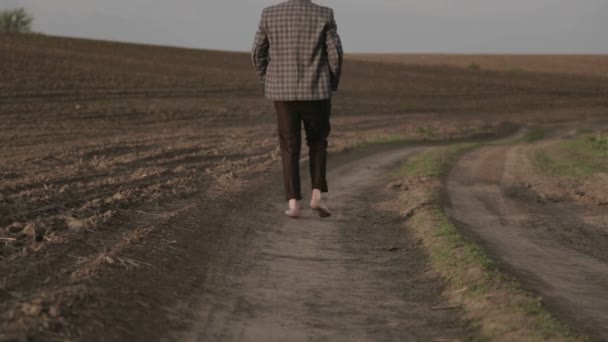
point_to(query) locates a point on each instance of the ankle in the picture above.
(316, 195)
(294, 203)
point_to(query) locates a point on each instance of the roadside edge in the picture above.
(495, 303)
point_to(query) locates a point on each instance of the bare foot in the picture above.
(317, 204)
(294, 209)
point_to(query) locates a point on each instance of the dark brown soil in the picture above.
(591, 65)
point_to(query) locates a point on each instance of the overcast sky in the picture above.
(456, 26)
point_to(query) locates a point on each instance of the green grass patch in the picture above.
(449, 239)
(581, 131)
(591, 146)
(435, 162)
(535, 134)
(426, 132)
(474, 66)
(387, 139)
(579, 157)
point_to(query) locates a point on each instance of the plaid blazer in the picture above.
(297, 51)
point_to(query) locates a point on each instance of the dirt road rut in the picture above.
(552, 247)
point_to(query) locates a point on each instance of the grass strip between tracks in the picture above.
(493, 302)
(583, 156)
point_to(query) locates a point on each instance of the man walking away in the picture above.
(298, 56)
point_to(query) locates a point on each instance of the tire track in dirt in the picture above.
(354, 277)
(529, 237)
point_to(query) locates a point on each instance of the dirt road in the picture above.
(354, 277)
(556, 248)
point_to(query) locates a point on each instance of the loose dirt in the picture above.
(356, 276)
(557, 248)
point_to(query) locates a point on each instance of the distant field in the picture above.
(591, 65)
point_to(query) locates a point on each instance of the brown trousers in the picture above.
(315, 116)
